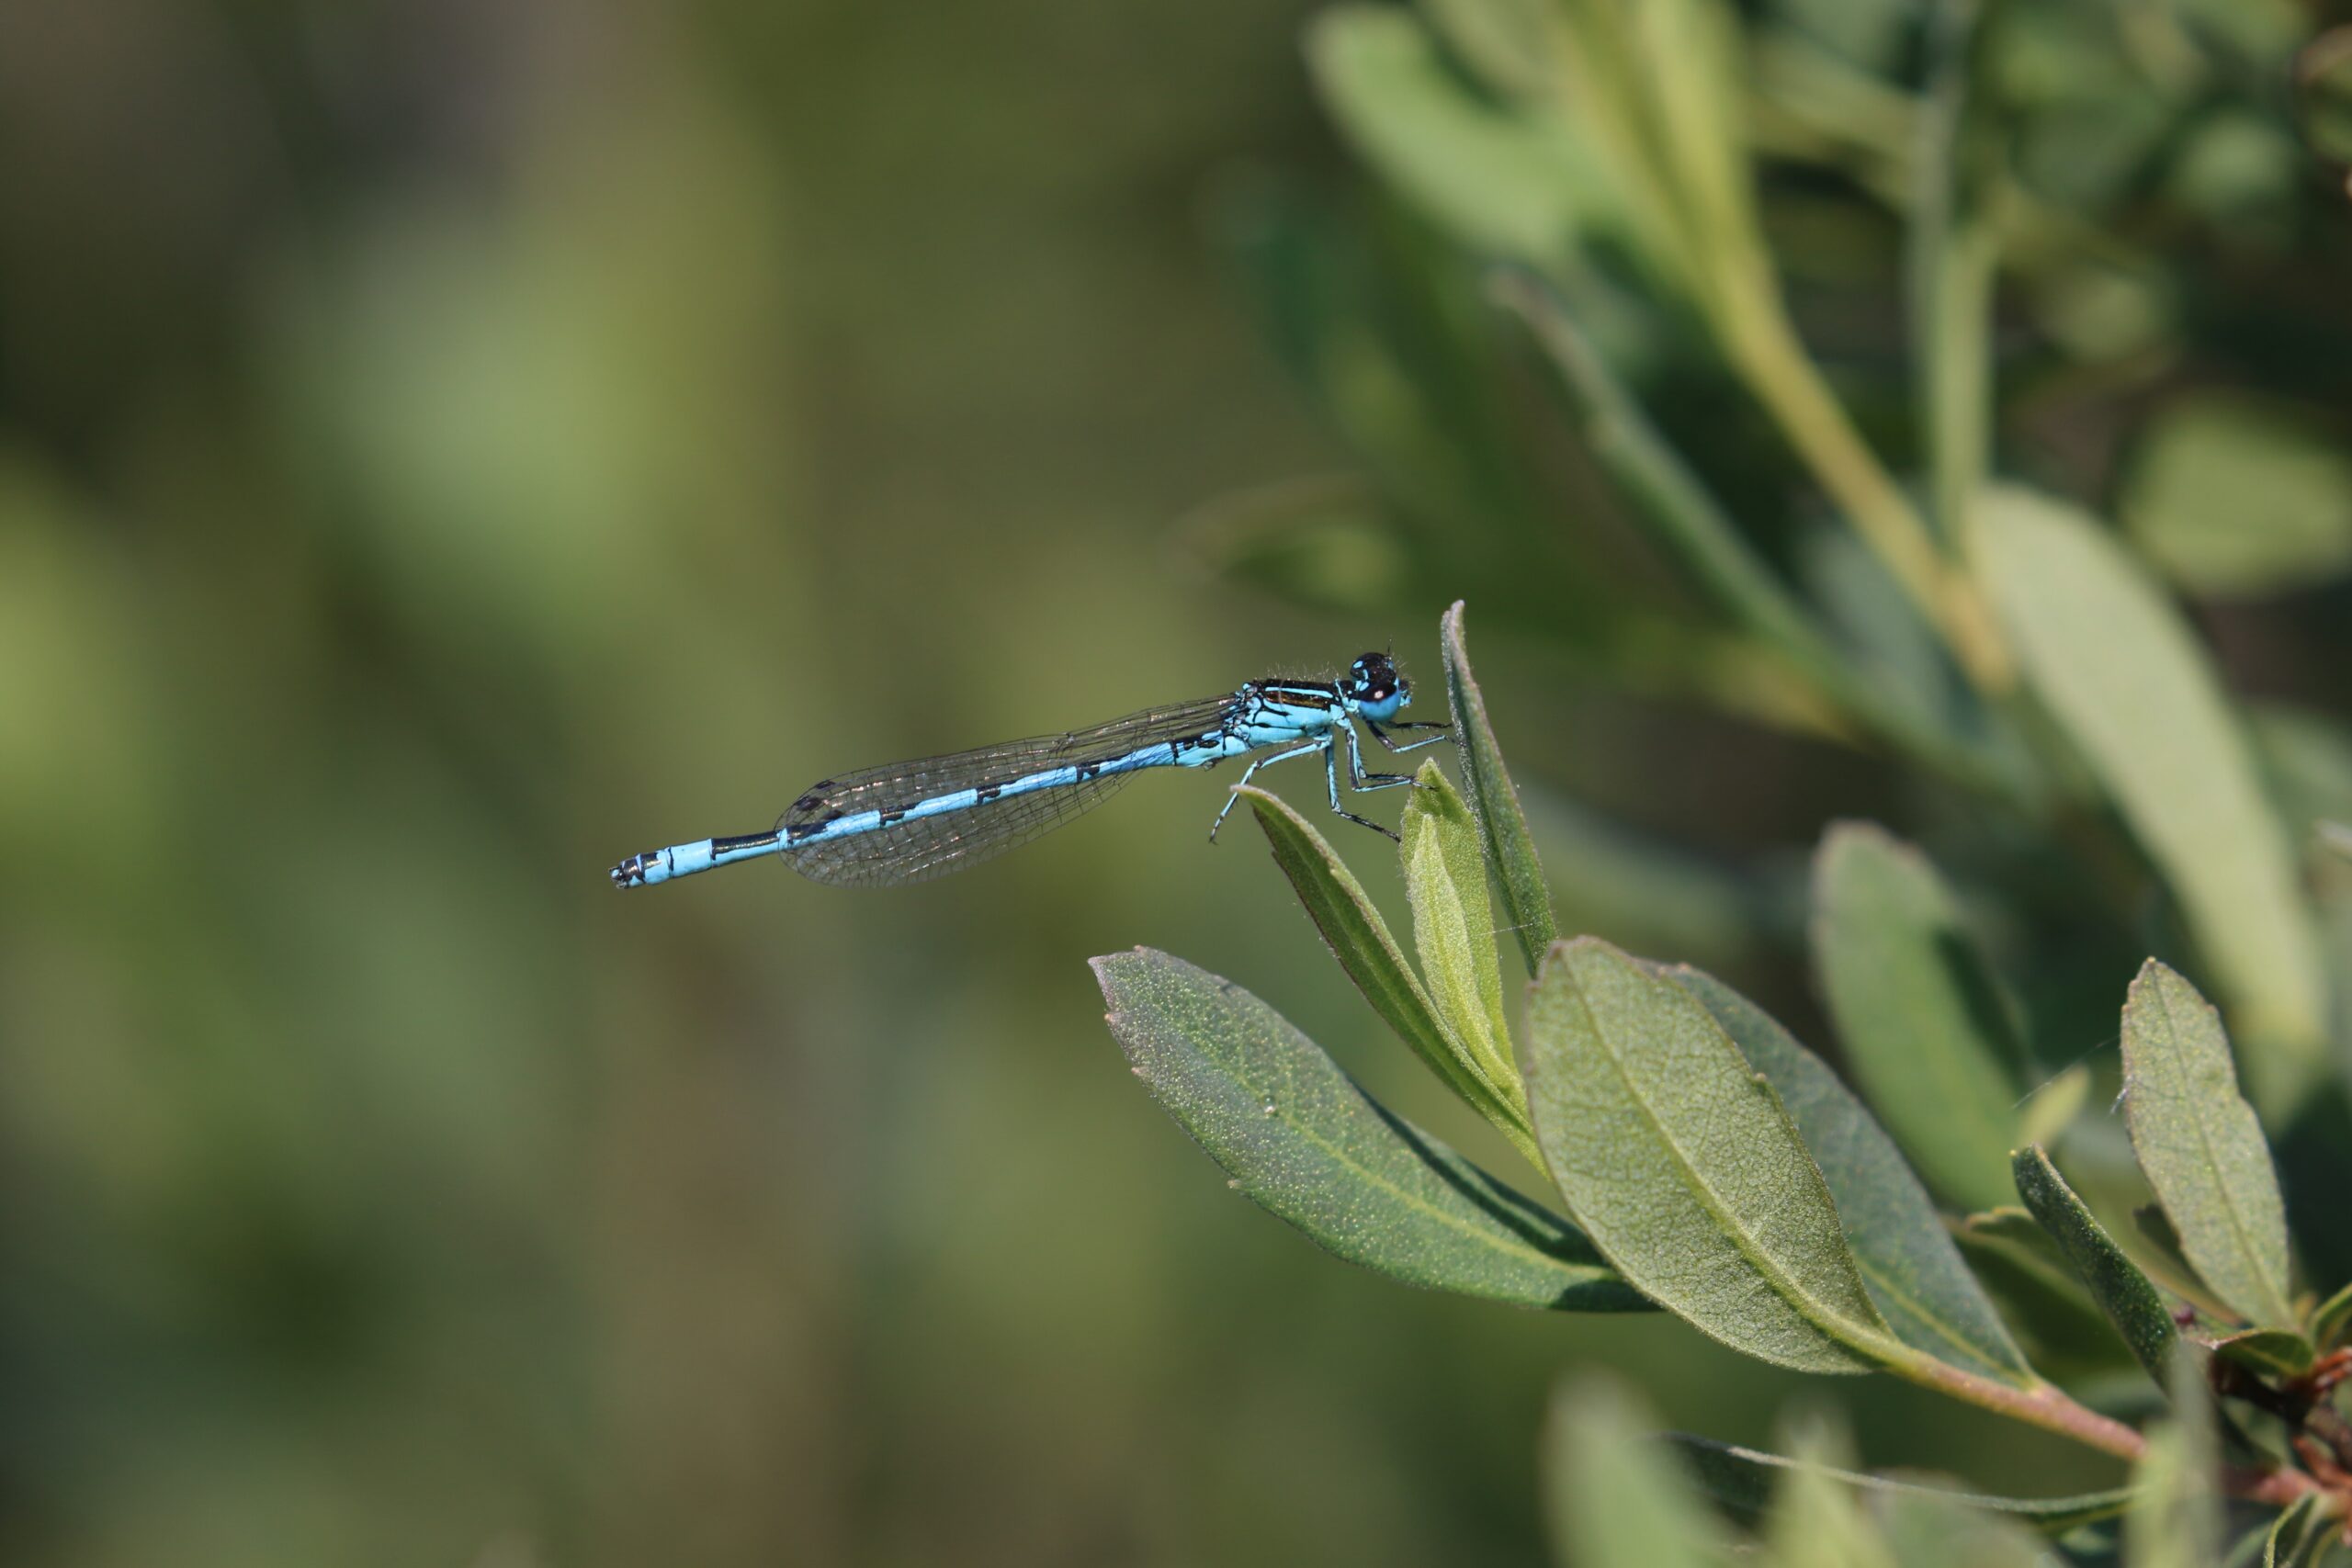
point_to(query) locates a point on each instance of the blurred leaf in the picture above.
(1919, 1011)
(1509, 184)
(1682, 1165)
(1454, 925)
(2176, 1518)
(2232, 496)
(1954, 255)
(1359, 939)
(2273, 1352)
(2336, 837)
(1640, 889)
(1613, 1497)
(1906, 1256)
(1323, 540)
(2114, 663)
(2123, 1292)
(1307, 1145)
(1502, 825)
(1937, 1529)
(2201, 1147)
(2053, 1106)
(2332, 1317)
(2324, 94)
(1813, 1520)
(1742, 1480)
(2042, 1299)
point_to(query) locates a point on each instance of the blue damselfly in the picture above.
(912, 820)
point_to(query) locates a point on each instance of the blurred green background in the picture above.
(447, 447)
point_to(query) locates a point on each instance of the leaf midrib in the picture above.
(1727, 1224)
(1454, 1223)
(2239, 1227)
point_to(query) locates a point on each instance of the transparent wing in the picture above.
(925, 847)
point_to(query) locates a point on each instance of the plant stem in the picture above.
(2043, 1405)
(1764, 345)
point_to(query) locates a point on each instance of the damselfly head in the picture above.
(1375, 687)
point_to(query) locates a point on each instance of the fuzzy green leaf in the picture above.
(1917, 1009)
(2200, 1147)
(1306, 1143)
(2123, 1292)
(2113, 660)
(1743, 1479)
(1502, 826)
(1679, 1163)
(1359, 938)
(1908, 1258)
(1612, 1498)
(1454, 925)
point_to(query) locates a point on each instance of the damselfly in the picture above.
(912, 820)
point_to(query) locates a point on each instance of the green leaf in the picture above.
(1306, 1144)
(1679, 1163)
(1325, 540)
(1359, 938)
(2232, 495)
(2117, 667)
(2331, 1318)
(2176, 1519)
(1502, 826)
(2295, 1531)
(1916, 1007)
(2123, 1292)
(2044, 1302)
(2200, 1147)
(1742, 1478)
(1454, 927)
(1908, 1258)
(2274, 1352)
(1515, 184)
(1612, 1498)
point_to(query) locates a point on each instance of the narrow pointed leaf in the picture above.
(2200, 1147)
(1742, 1480)
(1918, 1011)
(1299, 1136)
(1908, 1258)
(1454, 925)
(2114, 662)
(1493, 800)
(2123, 1292)
(1679, 1163)
(1359, 938)
(1611, 1498)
